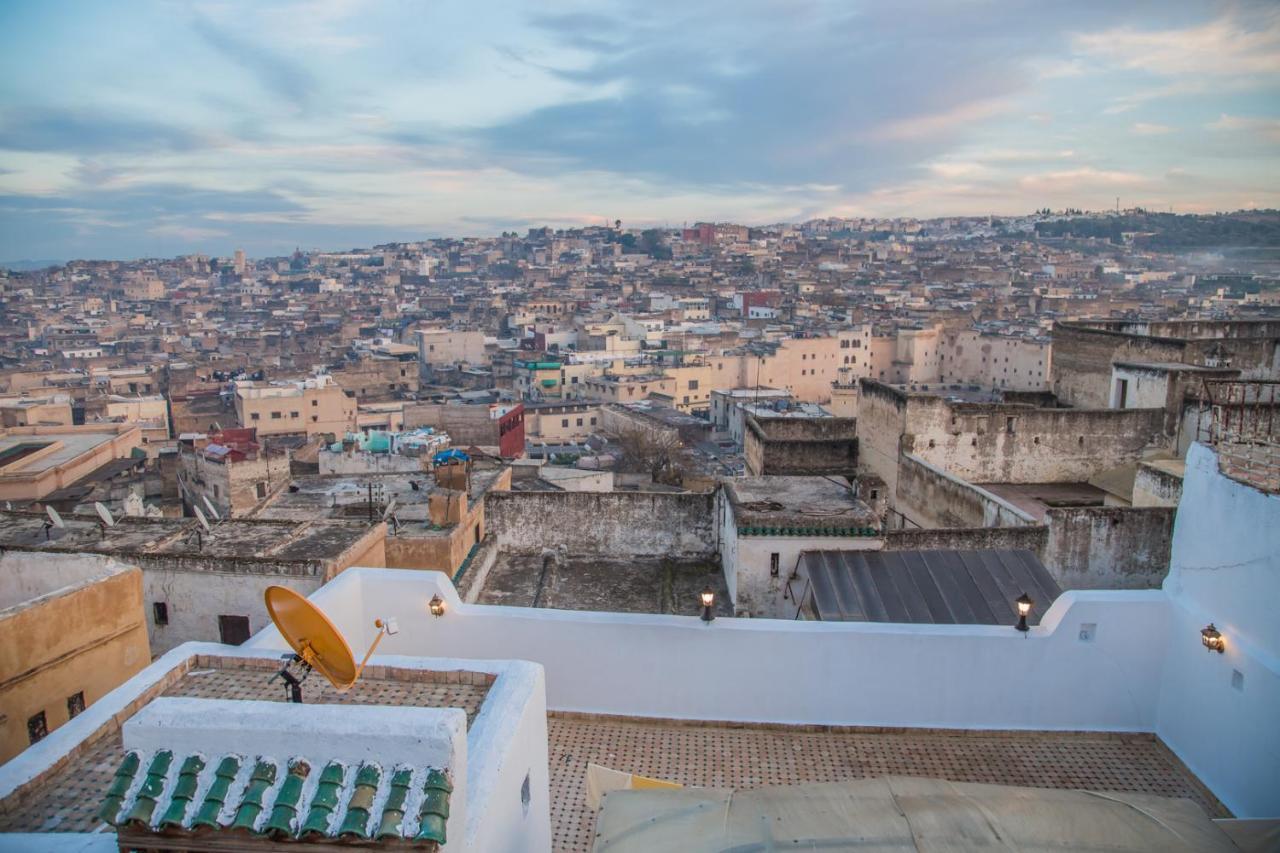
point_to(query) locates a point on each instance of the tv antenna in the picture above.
(389, 516)
(55, 520)
(316, 642)
(104, 515)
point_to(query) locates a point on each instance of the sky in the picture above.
(153, 128)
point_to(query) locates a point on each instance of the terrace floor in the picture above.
(748, 757)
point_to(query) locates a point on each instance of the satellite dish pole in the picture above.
(105, 517)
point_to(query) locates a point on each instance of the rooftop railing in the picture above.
(1240, 420)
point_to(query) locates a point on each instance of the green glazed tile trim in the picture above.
(324, 801)
(392, 822)
(434, 813)
(183, 792)
(119, 787)
(361, 804)
(262, 778)
(145, 805)
(217, 793)
(285, 809)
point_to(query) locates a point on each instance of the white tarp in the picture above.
(901, 814)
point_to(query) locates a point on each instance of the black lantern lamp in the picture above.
(436, 605)
(708, 599)
(1025, 604)
(1213, 639)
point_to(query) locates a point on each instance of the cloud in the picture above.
(1143, 128)
(1079, 180)
(276, 74)
(1228, 46)
(89, 131)
(1267, 128)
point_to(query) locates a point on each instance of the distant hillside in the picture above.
(1170, 232)
(28, 266)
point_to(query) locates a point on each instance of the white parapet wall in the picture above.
(1094, 664)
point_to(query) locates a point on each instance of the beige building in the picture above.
(450, 346)
(40, 410)
(316, 406)
(149, 413)
(35, 461)
(71, 629)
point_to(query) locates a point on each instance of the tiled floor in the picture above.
(715, 756)
(68, 801)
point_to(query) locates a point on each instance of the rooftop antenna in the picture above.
(55, 520)
(316, 643)
(389, 515)
(104, 515)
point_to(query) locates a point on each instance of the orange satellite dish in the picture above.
(316, 642)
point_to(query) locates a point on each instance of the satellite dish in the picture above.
(54, 518)
(213, 510)
(104, 514)
(391, 507)
(316, 642)
(204, 522)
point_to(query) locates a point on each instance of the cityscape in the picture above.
(878, 489)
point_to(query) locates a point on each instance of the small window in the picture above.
(593, 421)
(254, 416)
(293, 414)
(160, 613)
(693, 385)
(775, 561)
(275, 416)
(261, 489)
(233, 630)
(37, 728)
(564, 422)
(315, 402)
(579, 421)
(75, 705)
(1009, 424)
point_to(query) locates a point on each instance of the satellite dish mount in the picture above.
(316, 642)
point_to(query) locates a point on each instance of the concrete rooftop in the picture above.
(825, 502)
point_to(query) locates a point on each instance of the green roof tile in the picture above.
(392, 823)
(285, 809)
(324, 801)
(152, 786)
(183, 792)
(217, 793)
(434, 813)
(119, 787)
(360, 806)
(262, 778)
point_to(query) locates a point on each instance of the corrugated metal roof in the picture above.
(930, 587)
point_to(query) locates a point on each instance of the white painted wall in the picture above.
(766, 670)
(1226, 570)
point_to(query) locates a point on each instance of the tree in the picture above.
(658, 453)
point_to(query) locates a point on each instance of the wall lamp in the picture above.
(436, 605)
(1213, 639)
(708, 599)
(1025, 604)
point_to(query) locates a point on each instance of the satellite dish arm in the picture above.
(382, 632)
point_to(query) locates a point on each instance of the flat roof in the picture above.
(73, 445)
(810, 502)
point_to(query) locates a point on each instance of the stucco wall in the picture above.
(617, 524)
(1108, 547)
(930, 497)
(83, 637)
(800, 445)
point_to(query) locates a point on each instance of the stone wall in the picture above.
(1082, 359)
(1153, 486)
(930, 497)
(800, 445)
(618, 524)
(1108, 547)
(1030, 538)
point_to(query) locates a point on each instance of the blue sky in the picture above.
(158, 128)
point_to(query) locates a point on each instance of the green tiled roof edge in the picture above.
(324, 801)
(217, 793)
(145, 805)
(262, 778)
(285, 808)
(392, 823)
(119, 787)
(434, 812)
(360, 807)
(183, 792)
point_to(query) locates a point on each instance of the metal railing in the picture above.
(1240, 420)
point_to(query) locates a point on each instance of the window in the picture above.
(775, 561)
(75, 705)
(1009, 424)
(233, 630)
(261, 490)
(37, 728)
(160, 613)
(275, 416)
(293, 414)
(564, 422)
(315, 403)
(693, 385)
(593, 421)
(253, 416)
(579, 421)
